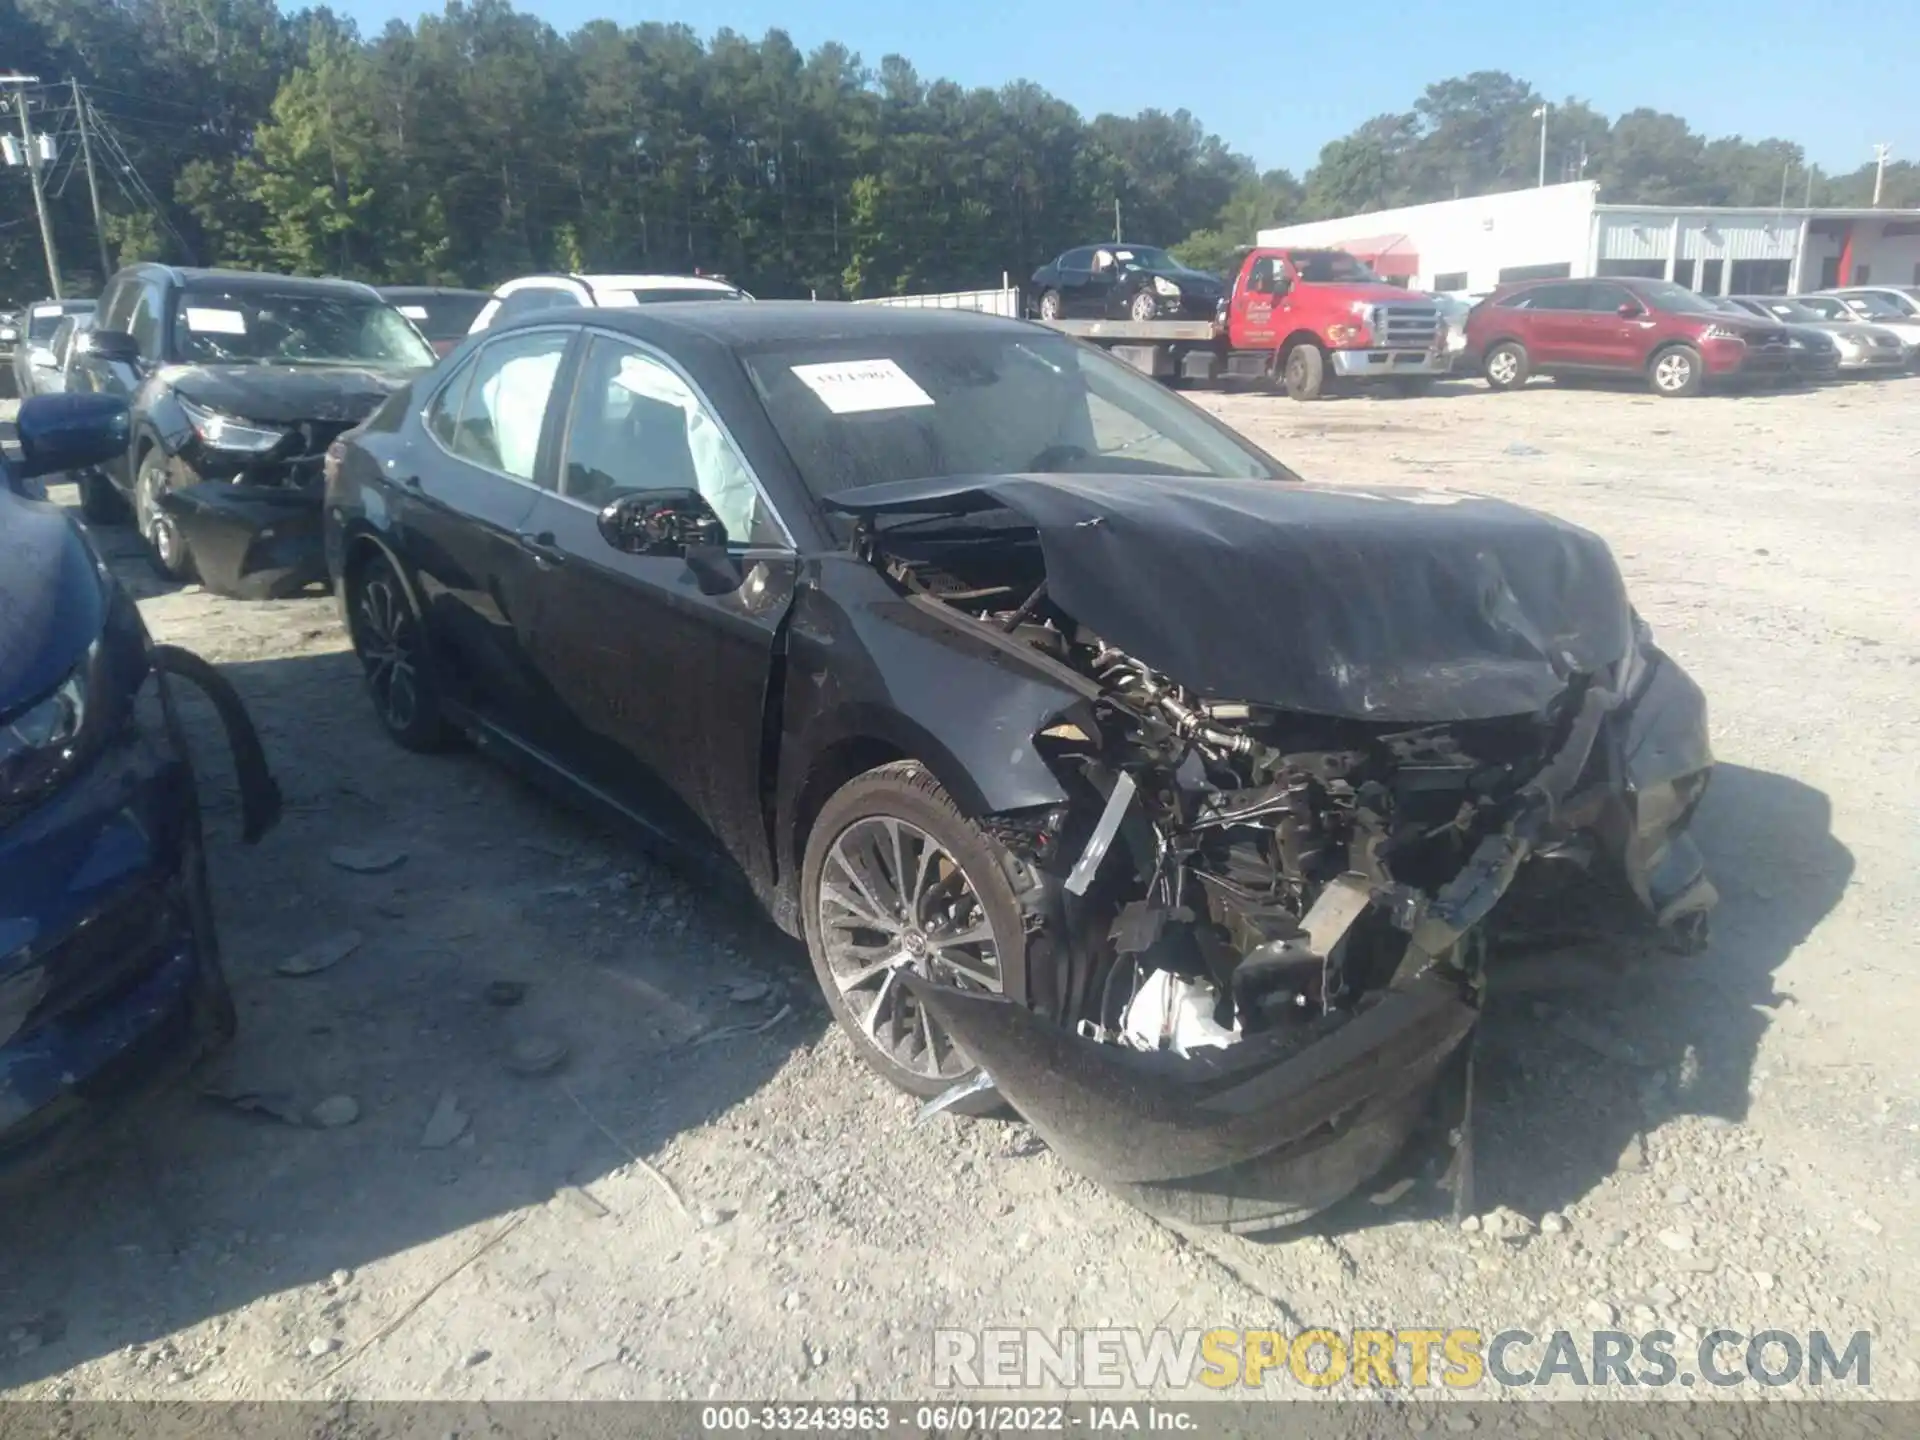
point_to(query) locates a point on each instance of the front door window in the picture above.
(636, 425)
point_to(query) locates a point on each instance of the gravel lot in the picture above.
(713, 1197)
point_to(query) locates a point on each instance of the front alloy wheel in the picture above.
(1676, 372)
(896, 880)
(166, 546)
(387, 637)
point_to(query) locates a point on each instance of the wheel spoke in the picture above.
(852, 872)
(880, 1001)
(972, 968)
(857, 907)
(886, 963)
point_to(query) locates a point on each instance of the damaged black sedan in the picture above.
(238, 383)
(1103, 765)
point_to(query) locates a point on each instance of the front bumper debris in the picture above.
(1378, 364)
(252, 542)
(1265, 1132)
(1254, 1136)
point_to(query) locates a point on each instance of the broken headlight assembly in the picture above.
(40, 744)
(228, 432)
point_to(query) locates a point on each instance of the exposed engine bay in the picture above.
(1233, 881)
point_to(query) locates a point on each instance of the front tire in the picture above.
(1507, 366)
(1677, 372)
(390, 639)
(1143, 307)
(166, 547)
(1305, 374)
(895, 877)
(1052, 305)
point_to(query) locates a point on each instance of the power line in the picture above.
(127, 175)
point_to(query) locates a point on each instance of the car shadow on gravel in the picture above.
(492, 926)
(1569, 1081)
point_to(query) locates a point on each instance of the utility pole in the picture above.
(1541, 116)
(1811, 171)
(93, 182)
(1880, 154)
(1116, 219)
(33, 174)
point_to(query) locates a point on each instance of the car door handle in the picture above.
(542, 547)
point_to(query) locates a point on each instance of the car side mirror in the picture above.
(70, 432)
(115, 347)
(1629, 310)
(661, 522)
(674, 522)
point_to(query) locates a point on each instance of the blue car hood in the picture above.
(52, 602)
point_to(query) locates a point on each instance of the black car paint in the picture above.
(1084, 293)
(725, 721)
(252, 533)
(826, 669)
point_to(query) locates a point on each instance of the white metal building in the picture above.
(1564, 231)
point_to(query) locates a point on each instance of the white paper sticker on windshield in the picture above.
(849, 387)
(216, 322)
(414, 312)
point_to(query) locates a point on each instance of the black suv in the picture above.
(238, 383)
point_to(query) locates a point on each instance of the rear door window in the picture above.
(505, 406)
(1571, 296)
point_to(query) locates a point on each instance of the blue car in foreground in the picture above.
(110, 976)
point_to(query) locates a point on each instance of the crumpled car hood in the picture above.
(1383, 603)
(287, 394)
(51, 602)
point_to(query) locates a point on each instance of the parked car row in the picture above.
(237, 382)
(1680, 341)
(1210, 922)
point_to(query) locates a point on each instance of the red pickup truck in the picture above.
(1308, 320)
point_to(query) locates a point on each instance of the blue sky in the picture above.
(1278, 80)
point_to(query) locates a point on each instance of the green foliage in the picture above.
(477, 142)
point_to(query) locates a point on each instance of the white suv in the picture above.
(548, 292)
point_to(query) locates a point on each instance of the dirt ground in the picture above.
(712, 1197)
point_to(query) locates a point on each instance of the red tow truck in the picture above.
(1308, 320)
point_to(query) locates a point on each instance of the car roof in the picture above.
(738, 326)
(258, 282)
(424, 292)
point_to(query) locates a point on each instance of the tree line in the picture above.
(479, 143)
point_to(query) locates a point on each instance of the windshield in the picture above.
(43, 320)
(1676, 299)
(1330, 267)
(441, 317)
(218, 327)
(1792, 310)
(912, 407)
(1878, 307)
(1146, 257)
